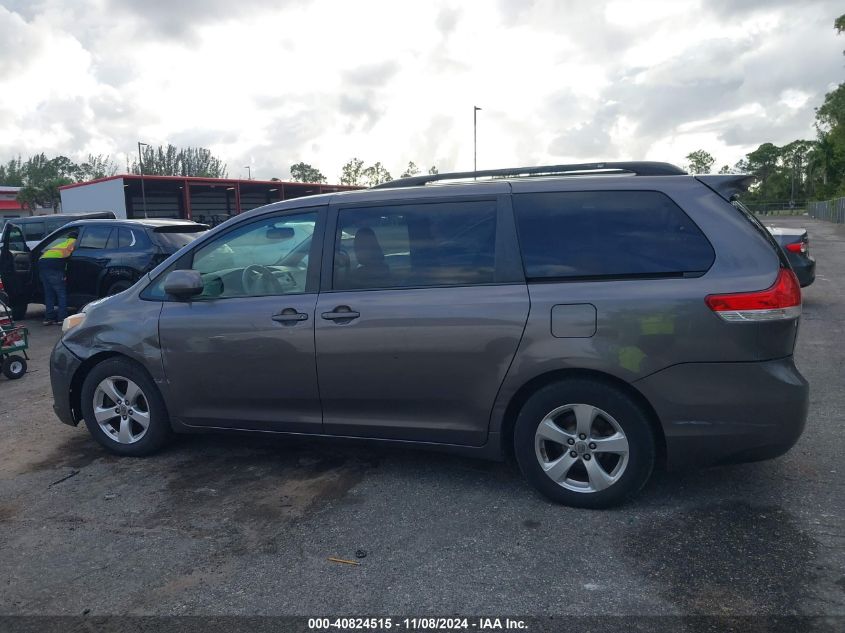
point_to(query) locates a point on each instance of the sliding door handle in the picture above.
(341, 313)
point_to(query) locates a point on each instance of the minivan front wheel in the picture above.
(123, 408)
(584, 443)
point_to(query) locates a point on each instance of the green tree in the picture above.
(174, 161)
(725, 169)
(12, 173)
(95, 166)
(303, 172)
(700, 162)
(352, 173)
(763, 163)
(794, 157)
(376, 174)
(432, 170)
(411, 170)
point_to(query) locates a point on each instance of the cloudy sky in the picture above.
(268, 83)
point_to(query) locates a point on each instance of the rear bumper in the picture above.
(717, 413)
(804, 267)
(63, 366)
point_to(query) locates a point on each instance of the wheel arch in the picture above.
(85, 368)
(538, 382)
(110, 276)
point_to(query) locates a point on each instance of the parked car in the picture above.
(796, 244)
(110, 256)
(35, 228)
(591, 326)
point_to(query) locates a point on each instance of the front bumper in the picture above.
(716, 413)
(63, 366)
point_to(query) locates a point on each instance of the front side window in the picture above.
(616, 234)
(263, 258)
(439, 244)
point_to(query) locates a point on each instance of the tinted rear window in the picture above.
(172, 239)
(589, 234)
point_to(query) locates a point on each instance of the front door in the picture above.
(87, 262)
(16, 269)
(241, 354)
(421, 321)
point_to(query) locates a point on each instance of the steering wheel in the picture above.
(257, 280)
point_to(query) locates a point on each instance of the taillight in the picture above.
(781, 301)
(797, 247)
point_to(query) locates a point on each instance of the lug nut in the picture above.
(586, 457)
(583, 436)
(117, 410)
(573, 454)
(592, 444)
(570, 441)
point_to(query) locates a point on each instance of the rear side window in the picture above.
(416, 245)
(615, 234)
(95, 237)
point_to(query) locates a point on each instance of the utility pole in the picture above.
(248, 172)
(475, 110)
(141, 168)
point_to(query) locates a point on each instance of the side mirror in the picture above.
(183, 284)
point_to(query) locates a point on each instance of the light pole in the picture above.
(248, 172)
(141, 168)
(475, 110)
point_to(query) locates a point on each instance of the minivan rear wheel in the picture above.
(123, 408)
(584, 443)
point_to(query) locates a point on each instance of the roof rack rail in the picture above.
(638, 168)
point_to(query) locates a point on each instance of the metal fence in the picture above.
(830, 210)
(777, 208)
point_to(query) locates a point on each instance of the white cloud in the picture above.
(270, 83)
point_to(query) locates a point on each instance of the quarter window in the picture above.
(440, 244)
(126, 238)
(619, 234)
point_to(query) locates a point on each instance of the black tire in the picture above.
(158, 431)
(626, 413)
(14, 367)
(19, 311)
(118, 286)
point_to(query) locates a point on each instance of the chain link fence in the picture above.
(830, 210)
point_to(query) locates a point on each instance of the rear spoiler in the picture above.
(729, 186)
(194, 227)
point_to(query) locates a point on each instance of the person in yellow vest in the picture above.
(51, 269)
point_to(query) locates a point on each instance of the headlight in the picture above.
(72, 321)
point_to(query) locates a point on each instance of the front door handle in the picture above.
(289, 315)
(341, 313)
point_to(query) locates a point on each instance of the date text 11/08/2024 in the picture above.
(421, 624)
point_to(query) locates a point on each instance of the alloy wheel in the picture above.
(581, 448)
(121, 409)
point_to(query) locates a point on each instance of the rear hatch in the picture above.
(771, 312)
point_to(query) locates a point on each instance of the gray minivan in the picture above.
(591, 320)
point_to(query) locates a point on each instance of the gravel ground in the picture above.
(230, 525)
